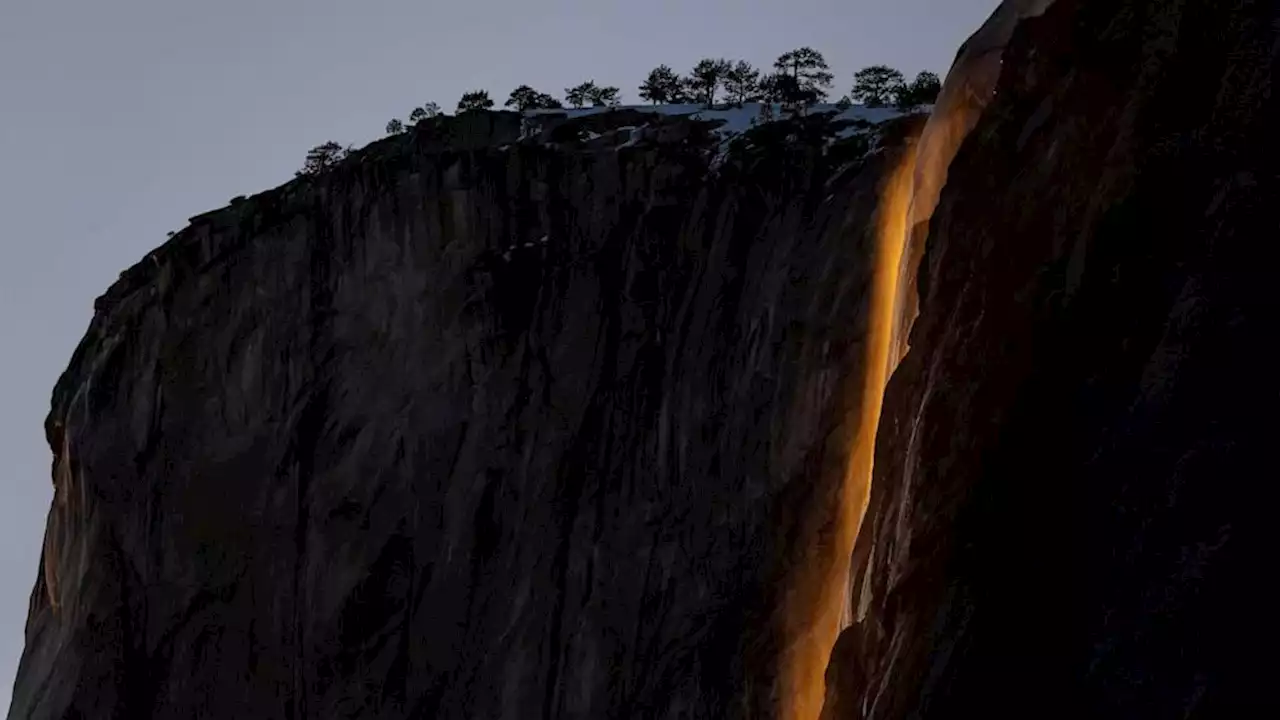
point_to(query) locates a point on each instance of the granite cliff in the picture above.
(471, 426)
(500, 421)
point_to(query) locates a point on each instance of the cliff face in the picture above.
(468, 427)
(481, 427)
(1073, 473)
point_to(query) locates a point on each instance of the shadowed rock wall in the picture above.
(1071, 512)
(469, 427)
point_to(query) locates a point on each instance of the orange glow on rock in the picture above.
(818, 608)
(822, 609)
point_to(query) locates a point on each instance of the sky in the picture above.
(119, 120)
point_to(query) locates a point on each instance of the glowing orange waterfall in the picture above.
(820, 608)
(814, 629)
(907, 201)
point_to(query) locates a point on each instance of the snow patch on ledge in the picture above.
(736, 120)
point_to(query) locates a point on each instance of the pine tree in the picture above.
(323, 157)
(809, 71)
(604, 97)
(526, 98)
(923, 90)
(877, 86)
(662, 86)
(395, 127)
(742, 83)
(783, 88)
(581, 95)
(706, 78)
(475, 100)
(770, 87)
(419, 114)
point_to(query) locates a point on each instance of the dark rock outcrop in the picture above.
(468, 428)
(1074, 476)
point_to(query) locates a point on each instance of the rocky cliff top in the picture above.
(846, 134)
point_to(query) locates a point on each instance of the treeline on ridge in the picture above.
(800, 78)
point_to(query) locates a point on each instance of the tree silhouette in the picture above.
(323, 157)
(526, 98)
(475, 100)
(590, 93)
(783, 88)
(604, 96)
(742, 82)
(662, 86)
(419, 114)
(921, 91)
(706, 78)
(395, 127)
(808, 69)
(580, 95)
(877, 86)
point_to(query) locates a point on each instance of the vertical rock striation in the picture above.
(469, 428)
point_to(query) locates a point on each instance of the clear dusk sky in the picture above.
(119, 119)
